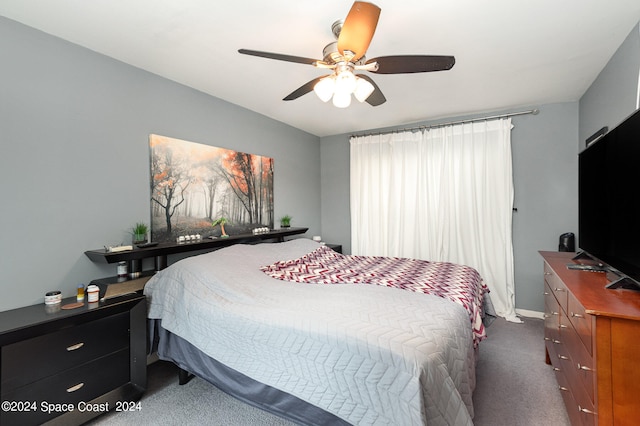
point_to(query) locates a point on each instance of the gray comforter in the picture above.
(368, 354)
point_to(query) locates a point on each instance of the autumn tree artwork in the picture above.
(193, 185)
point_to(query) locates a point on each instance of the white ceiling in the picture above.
(509, 54)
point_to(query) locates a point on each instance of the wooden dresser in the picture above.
(592, 340)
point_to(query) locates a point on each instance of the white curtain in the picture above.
(443, 194)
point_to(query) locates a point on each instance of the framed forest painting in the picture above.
(193, 185)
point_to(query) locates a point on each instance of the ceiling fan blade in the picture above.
(376, 97)
(303, 90)
(404, 64)
(280, 57)
(358, 29)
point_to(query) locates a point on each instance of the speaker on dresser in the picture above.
(567, 242)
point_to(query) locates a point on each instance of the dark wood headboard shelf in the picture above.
(162, 250)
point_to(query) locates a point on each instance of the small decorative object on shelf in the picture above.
(139, 232)
(93, 293)
(188, 238)
(285, 221)
(53, 297)
(122, 269)
(80, 293)
(221, 222)
(116, 249)
(261, 230)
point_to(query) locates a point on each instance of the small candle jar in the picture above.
(53, 297)
(122, 269)
(93, 293)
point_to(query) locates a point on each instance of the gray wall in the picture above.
(545, 176)
(613, 96)
(544, 149)
(74, 168)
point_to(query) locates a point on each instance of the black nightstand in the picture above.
(335, 247)
(69, 366)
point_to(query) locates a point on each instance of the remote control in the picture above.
(150, 244)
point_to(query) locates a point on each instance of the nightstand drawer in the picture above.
(77, 385)
(33, 359)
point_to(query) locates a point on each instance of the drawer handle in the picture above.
(556, 341)
(547, 339)
(563, 326)
(584, 367)
(563, 357)
(546, 293)
(562, 388)
(556, 369)
(75, 347)
(555, 313)
(559, 289)
(584, 410)
(75, 388)
(574, 315)
(547, 273)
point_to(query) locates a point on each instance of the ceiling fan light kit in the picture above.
(347, 55)
(340, 87)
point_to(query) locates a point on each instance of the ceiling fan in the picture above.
(347, 55)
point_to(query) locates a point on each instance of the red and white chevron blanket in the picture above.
(458, 283)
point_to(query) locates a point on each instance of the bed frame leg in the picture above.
(184, 376)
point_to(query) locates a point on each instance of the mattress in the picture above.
(369, 355)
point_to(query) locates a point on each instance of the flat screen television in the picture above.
(609, 200)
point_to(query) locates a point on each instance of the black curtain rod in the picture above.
(450, 123)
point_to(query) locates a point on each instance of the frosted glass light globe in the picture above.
(324, 88)
(341, 99)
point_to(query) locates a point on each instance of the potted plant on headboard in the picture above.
(139, 232)
(285, 221)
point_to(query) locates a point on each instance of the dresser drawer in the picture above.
(80, 384)
(580, 367)
(556, 285)
(585, 371)
(549, 298)
(579, 408)
(33, 359)
(582, 322)
(552, 315)
(567, 396)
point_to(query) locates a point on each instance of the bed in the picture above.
(298, 330)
